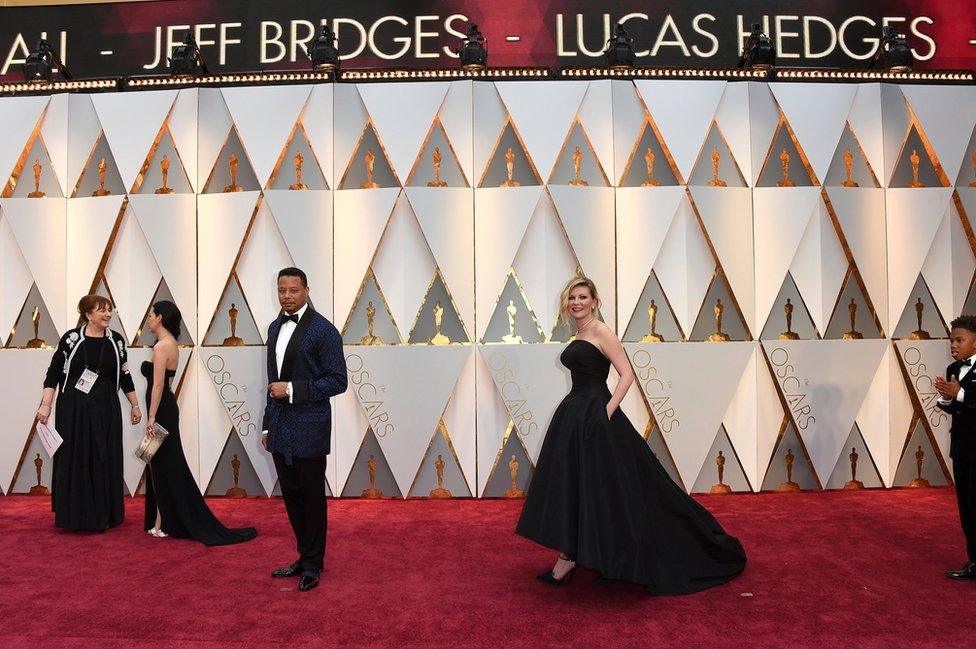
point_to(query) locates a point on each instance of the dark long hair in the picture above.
(172, 318)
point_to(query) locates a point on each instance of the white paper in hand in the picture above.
(49, 438)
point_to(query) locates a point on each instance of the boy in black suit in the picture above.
(958, 392)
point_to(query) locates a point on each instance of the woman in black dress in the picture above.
(174, 505)
(600, 497)
(87, 371)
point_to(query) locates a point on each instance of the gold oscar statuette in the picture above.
(919, 481)
(511, 337)
(101, 191)
(510, 169)
(232, 164)
(577, 163)
(38, 489)
(784, 163)
(37, 193)
(438, 338)
(915, 160)
(721, 487)
(369, 159)
(919, 334)
(514, 491)
(973, 184)
(853, 334)
(716, 181)
(164, 167)
(236, 491)
(789, 485)
(439, 491)
(719, 336)
(233, 340)
(370, 338)
(649, 162)
(848, 170)
(298, 185)
(853, 483)
(437, 158)
(789, 334)
(371, 491)
(653, 336)
(36, 342)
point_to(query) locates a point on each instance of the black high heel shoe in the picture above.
(549, 578)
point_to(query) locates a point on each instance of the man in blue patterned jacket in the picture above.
(306, 367)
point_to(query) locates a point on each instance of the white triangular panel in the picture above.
(15, 281)
(490, 115)
(861, 214)
(914, 217)
(763, 119)
(543, 131)
(629, 115)
(683, 111)
(90, 224)
(685, 267)
(950, 265)
(215, 125)
(54, 130)
(455, 116)
(596, 106)
(924, 361)
(403, 398)
(82, 136)
(445, 216)
(20, 400)
(403, 114)
(40, 228)
(825, 383)
(493, 418)
(349, 426)
(674, 387)
(732, 118)
(532, 382)
(865, 122)
(644, 217)
(947, 115)
(874, 420)
(183, 126)
(741, 419)
(781, 219)
(264, 117)
(187, 384)
(132, 273)
(317, 121)
(265, 253)
(170, 226)
(895, 122)
(819, 267)
(460, 419)
(18, 117)
(360, 217)
(131, 139)
(817, 113)
(214, 423)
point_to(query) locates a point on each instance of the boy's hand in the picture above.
(947, 389)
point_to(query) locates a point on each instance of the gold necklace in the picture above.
(580, 328)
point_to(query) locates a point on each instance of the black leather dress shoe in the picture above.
(968, 572)
(288, 571)
(308, 582)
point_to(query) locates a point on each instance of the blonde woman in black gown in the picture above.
(174, 505)
(599, 496)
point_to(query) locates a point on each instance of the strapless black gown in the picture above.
(600, 495)
(170, 485)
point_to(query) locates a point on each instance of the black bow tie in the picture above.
(967, 363)
(286, 317)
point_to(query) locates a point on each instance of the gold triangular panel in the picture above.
(852, 318)
(855, 466)
(369, 167)
(371, 322)
(849, 166)
(438, 321)
(800, 323)
(510, 164)
(437, 165)
(233, 324)
(298, 167)
(921, 318)
(665, 322)
(144, 337)
(716, 166)
(164, 157)
(232, 172)
(650, 162)
(719, 298)
(440, 474)
(34, 327)
(916, 166)
(513, 320)
(655, 440)
(100, 177)
(578, 151)
(785, 164)
(733, 475)
(777, 473)
(359, 480)
(919, 449)
(512, 460)
(234, 460)
(34, 176)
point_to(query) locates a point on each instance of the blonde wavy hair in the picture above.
(578, 280)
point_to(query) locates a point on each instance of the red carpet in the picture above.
(825, 569)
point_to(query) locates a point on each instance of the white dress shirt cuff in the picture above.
(961, 395)
(291, 393)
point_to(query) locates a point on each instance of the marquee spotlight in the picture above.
(322, 51)
(758, 52)
(473, 50)
(40, 64)
(187, 60)
(894, 52)
(620, 50)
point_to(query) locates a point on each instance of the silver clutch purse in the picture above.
(149, 445)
